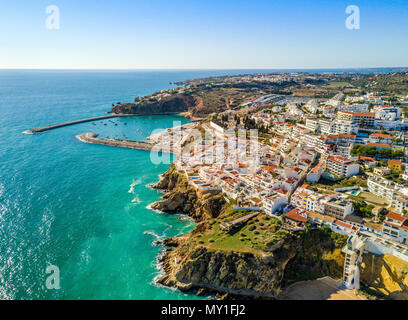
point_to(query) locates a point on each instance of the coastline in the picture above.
(188, 115)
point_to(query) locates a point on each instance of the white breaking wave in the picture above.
(149, 207)
(155, 235)
(157, 238)
(134, 183)
(136, 200)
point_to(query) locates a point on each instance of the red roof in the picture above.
(367, 159)
(359, 114)
(270, 168)
(383, 145)
(344, 224)
(337, 158)
(380, 135)
(295, 215)
(396, 162)
(364, 114)
(396, 216)
(347, 135)
(281, 191)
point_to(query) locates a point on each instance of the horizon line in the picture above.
(195, 69)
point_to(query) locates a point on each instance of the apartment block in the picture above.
(340, 167)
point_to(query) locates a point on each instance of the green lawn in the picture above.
(349, 182)
(252, 236)
(338, 84)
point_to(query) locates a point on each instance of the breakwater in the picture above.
(90, 137)
(70, 123)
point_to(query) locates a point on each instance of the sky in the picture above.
(197, 34)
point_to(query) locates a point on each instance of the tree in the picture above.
(398, 153)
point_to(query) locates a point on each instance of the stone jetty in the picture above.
(90, 137)
(70, 123)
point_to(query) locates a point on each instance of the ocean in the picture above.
(81, 207)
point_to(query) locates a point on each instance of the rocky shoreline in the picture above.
(180, 197)
(191, 266)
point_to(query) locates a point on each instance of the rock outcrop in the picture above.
(385, 276)
(243, 273)
(180, 197)
(173, 104)
(192, 264)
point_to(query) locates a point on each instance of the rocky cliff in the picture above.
(173, 104)
(257, 258)
(385, 276)
(194, 264)
(180, 197)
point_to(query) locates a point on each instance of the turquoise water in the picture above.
(70, 204)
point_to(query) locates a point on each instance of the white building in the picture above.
(395, 227)
(338, 127)
(355, 107)
(274, 202)
(312, 124)
(316, 173)
(387, 112)
(380, 138)
(382, 187)
(341, 167)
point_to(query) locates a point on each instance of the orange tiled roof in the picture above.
(397, 162)
(367, 158)
(344, 224)
(347, 135)
(396, 216)
(380, 135)
(294, 215)
(281, 191)
(364, 114)
(379, 145)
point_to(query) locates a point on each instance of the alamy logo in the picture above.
(52, 22)
(53, 280)
(353, 20)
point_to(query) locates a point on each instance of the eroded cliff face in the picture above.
(173, 104)
(261, 274)
(180, 197)
(318, 254)
(224, 271)
(197, 261)
(385, 276)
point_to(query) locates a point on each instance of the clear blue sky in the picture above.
(133, 34)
